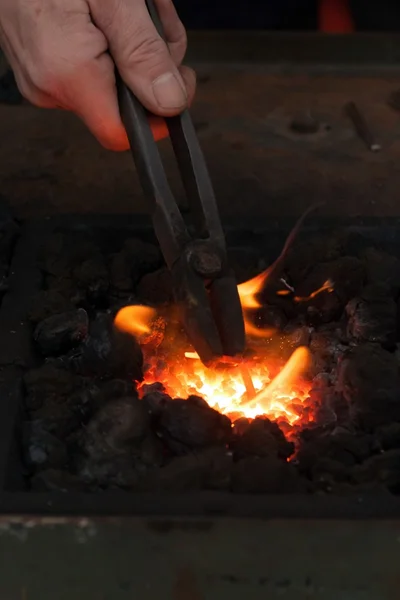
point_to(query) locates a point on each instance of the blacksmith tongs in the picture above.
(204, 284)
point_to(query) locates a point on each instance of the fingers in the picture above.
(174, 31)
(142, 57)
(93, 95)
(60, 54)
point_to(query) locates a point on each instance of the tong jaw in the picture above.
(208, 302)
(204, 285)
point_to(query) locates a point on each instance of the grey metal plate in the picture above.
(198, 559)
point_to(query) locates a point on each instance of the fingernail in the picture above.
(169, 92)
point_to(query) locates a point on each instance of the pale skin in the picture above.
(63, 54)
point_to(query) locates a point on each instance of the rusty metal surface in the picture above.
(243, 110)
(198, 559)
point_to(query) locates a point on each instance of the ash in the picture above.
(86, 428)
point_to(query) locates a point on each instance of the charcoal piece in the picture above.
(347, 275)
(207, 469)
(322, 381)
(151, 452)
(93, 278)
(56, 480)
(156, 288)
(9, 231)
(267, 475)
(183, 473)
(121, 274)
(388, 436)
(53, 396)
(108, 391)
(372, 316)
(192, 423)
(219, 471)
(261, 437)
(48, 303)
(303, 254)
(62, 252)
(116, 427)
(66, 287)
(340, 445)
(240, 426)
(155, 397)
(382, 269)
(112, 472)
(368, 378)
(382, 468)
(59, 333)
(324, 404)
(142, 257)
(110, 353)
(326, 349)
(49, 385)
(42, 449)
(326, 473)
(149, 388)
(337, 403)
(298, 335)
(146, 255)
(58, 419)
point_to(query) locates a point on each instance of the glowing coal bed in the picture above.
(119, 399)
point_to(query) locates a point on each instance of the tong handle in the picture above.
(155, 17)
(168, 222)
(192, 166)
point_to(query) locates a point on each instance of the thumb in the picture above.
(141, 56)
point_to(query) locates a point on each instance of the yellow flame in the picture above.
(192, 355)
(293, 369)
(249, 290)
(135, 320)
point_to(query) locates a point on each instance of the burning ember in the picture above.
(247, 386)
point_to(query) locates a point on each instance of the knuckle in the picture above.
(146, 48)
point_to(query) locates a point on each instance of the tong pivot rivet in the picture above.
(205, 260)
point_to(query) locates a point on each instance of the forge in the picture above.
(104, 392)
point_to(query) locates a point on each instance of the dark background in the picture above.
(368, 15)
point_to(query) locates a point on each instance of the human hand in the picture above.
(60, 51)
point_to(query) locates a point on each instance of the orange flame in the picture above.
(135, 320)
(249, 290)
(327, 286)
